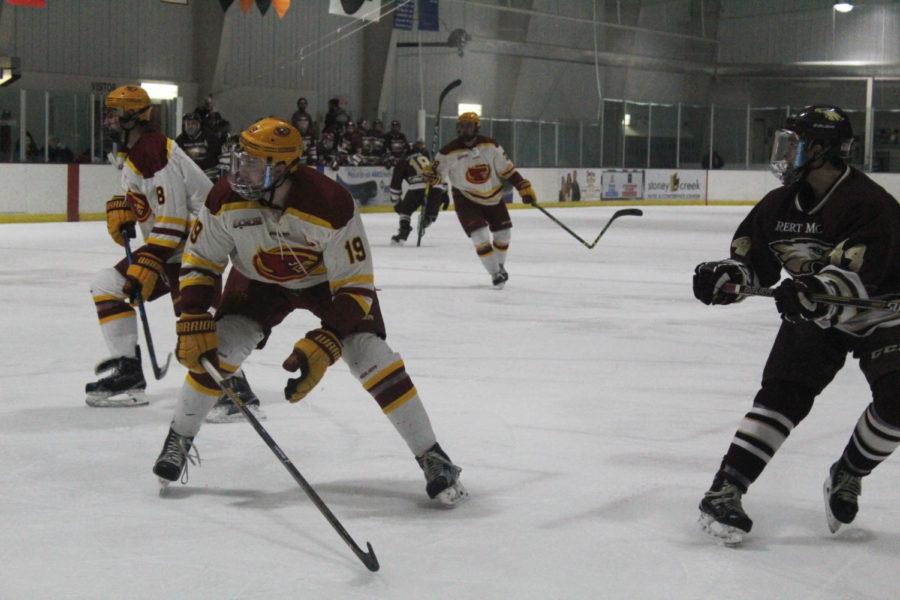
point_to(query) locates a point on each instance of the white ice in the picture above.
(589, 404)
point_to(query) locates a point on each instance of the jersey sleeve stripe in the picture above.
(173, 221)
(192, 260)
(339, 283)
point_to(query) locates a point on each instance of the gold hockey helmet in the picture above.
(264, 146)
(469, 117)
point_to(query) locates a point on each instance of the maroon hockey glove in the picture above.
(793, 302)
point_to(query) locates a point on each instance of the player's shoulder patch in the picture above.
(319, 200)
(150, 154)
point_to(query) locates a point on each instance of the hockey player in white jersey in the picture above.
(295, 240)
(476, 166)
(162, 189)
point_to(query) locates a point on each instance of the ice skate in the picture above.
(402, 234)
(226, 411)
(124, 386)
(841, 490)
(442, 477)
(172, 462)
(722, 516)
(500, 278)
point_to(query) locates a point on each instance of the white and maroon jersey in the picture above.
(317, 238)
(165, 189)
(477, 171)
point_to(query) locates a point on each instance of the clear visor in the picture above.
(787, 153)
(250, 175)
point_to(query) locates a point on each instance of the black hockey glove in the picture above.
(709, 277)
(793, 303)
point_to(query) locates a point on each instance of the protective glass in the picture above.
(788, 155)
(250, 176)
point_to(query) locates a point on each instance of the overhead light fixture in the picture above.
(627, 120)
(9, 70)
(464, 108)
(160, 91)
(843, 7)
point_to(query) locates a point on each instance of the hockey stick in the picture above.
(420, 226)
(870, 303)
(368, 558)
(625, 212)
(157, 372)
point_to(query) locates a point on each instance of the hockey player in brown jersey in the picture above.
(411, 168)
(475, 165)
(835, 232)
(295, 240)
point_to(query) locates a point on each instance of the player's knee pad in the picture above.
(502, 237)
(886, 398)
(792, 400)
(481, 236)
(108, 282)
(238, 336)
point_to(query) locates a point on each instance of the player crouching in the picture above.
(296, 241)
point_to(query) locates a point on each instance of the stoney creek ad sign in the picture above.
(675, 185)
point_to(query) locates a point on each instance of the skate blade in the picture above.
(124, 399)
(833, 523)
(725, 535)
(499, 286)
(397, 243)
(222, 415)
(454, 495)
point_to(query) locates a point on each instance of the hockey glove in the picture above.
(526, 192)
(793, 302)
(709, 277)
(142, 274)
(120, 219)
(312, 355)
(431, 176)
(196, 339)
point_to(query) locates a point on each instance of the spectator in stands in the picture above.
(204, 110)
(58, 152)
(301, 111)
(202, 146)
(336, 115)
(717, 162)
(31, 149)
(575, 188)
(395, 134)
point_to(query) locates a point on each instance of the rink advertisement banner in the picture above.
(369, 186)
(370, 10)
(677, 184)
(622, 184)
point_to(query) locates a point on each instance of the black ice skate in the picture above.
(124, 386)
(442, 477)
(722, 516)
(500, 278)
(841, 490)
(225, 411)
(172, 462)
(402, 234)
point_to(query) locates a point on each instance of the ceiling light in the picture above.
(160, 91)
(843, 7)
(464, 108)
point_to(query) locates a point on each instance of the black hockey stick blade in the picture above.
(625, 212)
(367, 558)
(450, 87)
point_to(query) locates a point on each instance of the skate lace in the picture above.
(176, 450)
(434, 465)
(847, 486)
(729, 497)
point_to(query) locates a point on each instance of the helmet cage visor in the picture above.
(250, 176)
(788, 155)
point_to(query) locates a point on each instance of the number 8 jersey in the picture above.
(316, 237)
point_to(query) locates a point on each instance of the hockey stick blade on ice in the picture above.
(367, 558)
(888, 305)
(420, 226)
(625, 212)
(159, 373)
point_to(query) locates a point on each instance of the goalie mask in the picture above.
(794, 149)
(269, 151)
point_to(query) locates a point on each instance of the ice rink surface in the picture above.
(589, 404)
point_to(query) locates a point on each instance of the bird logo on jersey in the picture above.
(478, 174)
(288, 264)
(139, 205)
(801, 256)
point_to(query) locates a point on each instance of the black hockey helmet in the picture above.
(820, 125)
